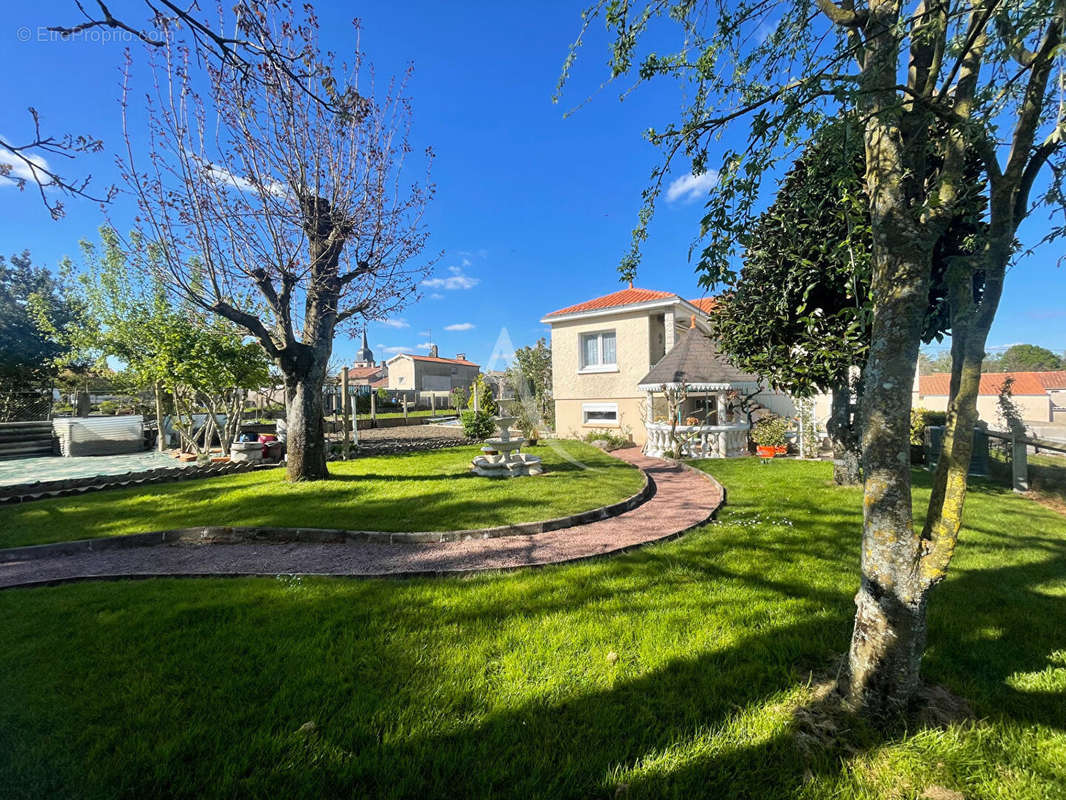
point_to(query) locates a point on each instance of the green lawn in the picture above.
(412, 492)
(502, 685)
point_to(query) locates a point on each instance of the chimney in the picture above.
(433, 351)
(461, 356)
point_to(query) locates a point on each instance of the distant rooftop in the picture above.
(1025, 383)
(628, 297)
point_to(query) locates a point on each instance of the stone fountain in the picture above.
(502, 457)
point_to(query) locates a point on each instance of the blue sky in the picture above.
(533, 210)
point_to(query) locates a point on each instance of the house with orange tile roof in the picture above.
(430, 373)
(615, 357)
(1040, 396)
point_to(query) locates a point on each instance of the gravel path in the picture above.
(683, 499)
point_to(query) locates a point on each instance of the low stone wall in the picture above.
(225, 534)
(39, 490)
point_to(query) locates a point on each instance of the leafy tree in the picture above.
(486, 400)
(289, 217)
(531, 380)
(934, 82)
(1024, 358)
(189, 359)
(798, 313)
(28, 355)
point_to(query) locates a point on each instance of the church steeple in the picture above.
(364, 356)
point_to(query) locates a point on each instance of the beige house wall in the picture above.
(1034, 408)
(402, 374)
(568, 418)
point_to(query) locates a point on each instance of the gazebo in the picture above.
(693, 414)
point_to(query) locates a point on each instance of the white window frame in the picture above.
(599, 423)
(584, 368)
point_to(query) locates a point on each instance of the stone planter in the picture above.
(246, 451)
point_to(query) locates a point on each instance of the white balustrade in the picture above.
(697, 441)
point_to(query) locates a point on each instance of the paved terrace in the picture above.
(683, 499)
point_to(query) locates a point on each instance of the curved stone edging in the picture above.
(235, 534)
(678, 506)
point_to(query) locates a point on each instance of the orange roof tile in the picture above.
(1055, 379)
(363, 372)
(1025, 383)
(624, 297)
(705, 304)
(464, 362)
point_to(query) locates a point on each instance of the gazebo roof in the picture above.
(695, 362)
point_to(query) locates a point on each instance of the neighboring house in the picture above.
(1040, 396)
(430, 373)
(603, 354)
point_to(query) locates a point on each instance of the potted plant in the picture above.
(769, 436)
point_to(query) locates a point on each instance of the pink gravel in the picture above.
(683, 499)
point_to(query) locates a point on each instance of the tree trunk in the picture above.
(160, 439)
(844, 438)
(306, 443)
(889, 634)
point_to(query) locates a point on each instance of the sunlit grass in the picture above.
(411, 492)
(505, 685)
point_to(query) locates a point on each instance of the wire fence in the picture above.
(25, 404)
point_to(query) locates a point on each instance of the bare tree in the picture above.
(289, 216)
(250, 42)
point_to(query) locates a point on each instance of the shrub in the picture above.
(921, 418)
(608, 439)
(770, 432)
(478, 425)
(108, 407)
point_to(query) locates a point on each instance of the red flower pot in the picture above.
(781, 449)
(765, 451)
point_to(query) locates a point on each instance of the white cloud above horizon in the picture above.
(396, 323)
(689, 188)
(459, 326)
(457, 279)
(20, 170)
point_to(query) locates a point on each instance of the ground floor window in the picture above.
(599, 413)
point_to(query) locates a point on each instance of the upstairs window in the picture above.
(598, 353)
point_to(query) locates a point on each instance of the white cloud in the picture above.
(17, 169)
(425, 334)
(690, 187)
(459, 326)
(425, 346)
(456, 280)
(396, 323)
(395, 350)
(436, 296)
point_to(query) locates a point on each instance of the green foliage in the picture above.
(922, 418)
(1023, 358)
(410, 492)
(1010, 416)
(407, 682)
(485, 398)
(799, 312)
(531, 379)
(457, 397)
(610, 439)
(771, 431)
(28, 353)
(478, 425)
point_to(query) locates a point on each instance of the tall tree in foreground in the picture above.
(799, 312)
(933, 82)
(291, 217)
